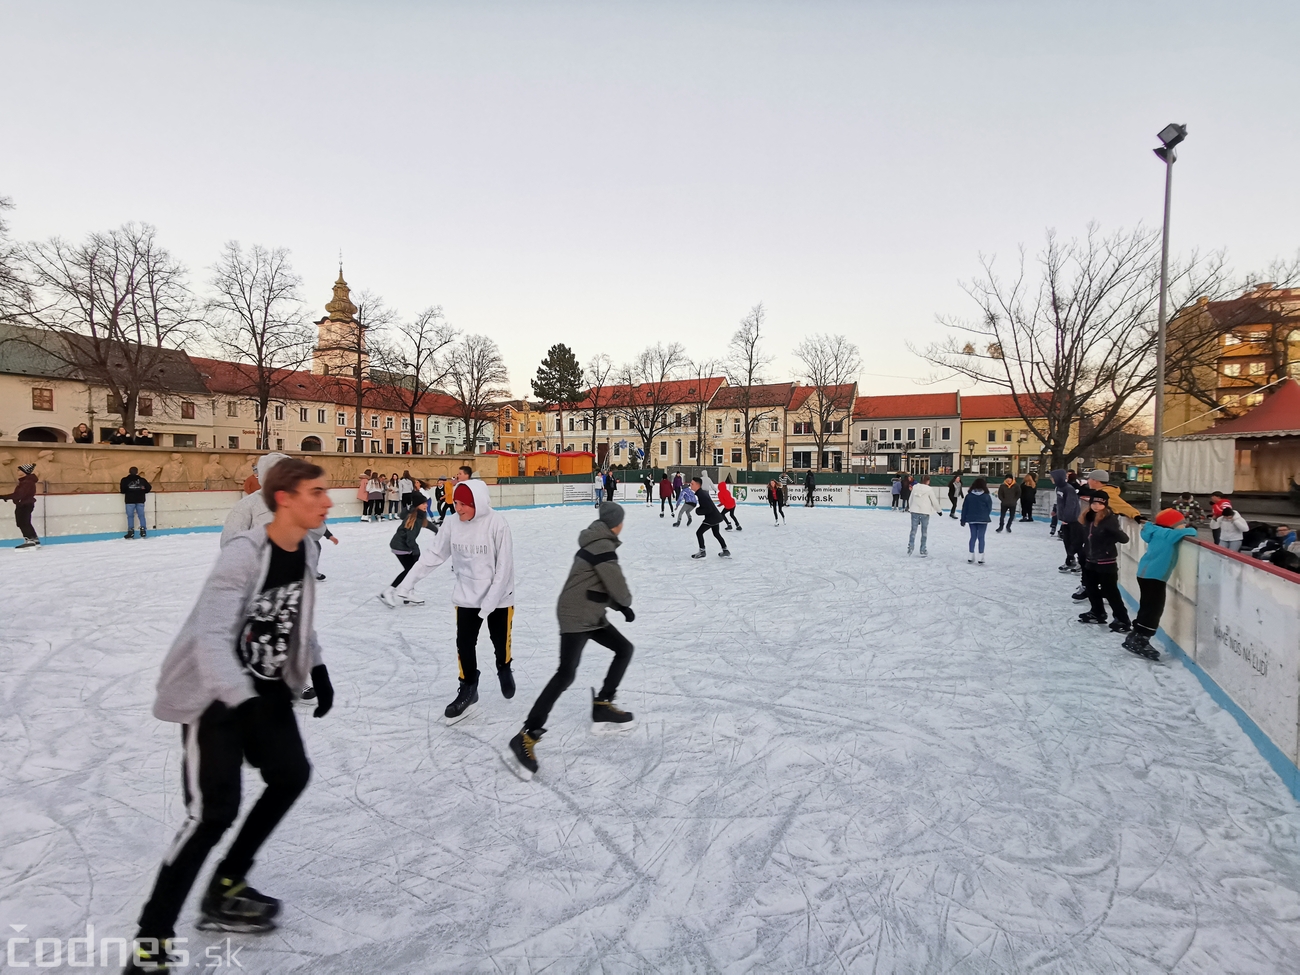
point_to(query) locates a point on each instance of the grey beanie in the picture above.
(611, 514)
(1102, 476)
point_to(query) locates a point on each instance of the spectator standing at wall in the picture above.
(120, 437)
(1153, 571)
(1218, 500)
(406, 485)
(1028, 494)
(24, 498)
(809, 490)
(896, 492)
(924, 503)
(1189, 508)
(363, 495)
(375, 496)
(1232, 528)
(82, 434)
(977, 511)
(134, 488)
(143, 438)
(905, 485)
(1008, 496)
(393, 495)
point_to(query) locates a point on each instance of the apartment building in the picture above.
(916, 432)
(766, 406)
(828, 409)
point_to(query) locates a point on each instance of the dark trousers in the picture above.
(468, 623)
(1102, 585)
(1071, 533)
(1007, 516)
(1151, 606)
(906, 499)
(953, 512)
(407, 559)
(609, 493)
(665, 500)
(1027, 509)
(265, 732)
(571, 645)
(729, 516)
(809, 499)
(23, 519)
(776, 510)
(896, 498)
(705, 526)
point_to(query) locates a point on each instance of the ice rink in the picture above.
(846, 760)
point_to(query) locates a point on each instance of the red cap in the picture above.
(1168, 518)
(463, 494)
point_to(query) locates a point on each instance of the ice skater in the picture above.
(595, 583)
(710, 518)
(955, 494)
(977, 512)
(24, 498)
(776, 501)
(1028, 494)
(686, 503)
(481, 550)
(1153, 571)
(728, 503)
(1102, 534)
(236, 707)
(1066, 508)
(665, 495)
(252, 511)
(924, 502)
(405, 544)
(1009, 496)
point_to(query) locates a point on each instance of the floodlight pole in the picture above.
(1166, 153)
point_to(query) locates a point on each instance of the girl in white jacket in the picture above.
(924, 502)
(1232, 529)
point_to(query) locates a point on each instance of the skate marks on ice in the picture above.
(845, 760)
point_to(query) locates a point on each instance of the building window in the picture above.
(993, 436)
(717, 426)
(736, 455)
(618, 423)
(925, 437)
(911, 433)
(835, 426)
(388, 424)
(232, 443)
(604, 423)
(144, 406)
(1253, 399)
(406, 424)
(898, 433)
(187, 411)
(374, 445)
(776, 426)
(374, 425)
(509, 427)
(42, 399)
(571, 424)
(1258, 368)
(419, 425)
(693, 446)
(1006, 436)
(341, 419)
(717, 455)
(115, 404)
(435, 426)
(1231, 339)
(735, 425)
(320, 416)
(586, 423)
(279, 443)
(803, 428)
(232, 408)
(801, 459)
(774, 456)
(302, 414)
(279, 412)
(945, 433)
(184, 440)
(1232, 369)
(663, 448)
(864, 435)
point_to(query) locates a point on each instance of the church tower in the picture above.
(339, 336)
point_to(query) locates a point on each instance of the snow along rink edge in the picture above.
(845, 759)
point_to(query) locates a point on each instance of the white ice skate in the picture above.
(388, 597)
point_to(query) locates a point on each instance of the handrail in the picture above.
(1291, 577)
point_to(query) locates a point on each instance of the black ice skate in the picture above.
(1091, 618)
(144, 533)
(150, 955)
(1080, 593)
(1139, 645)
(1067, 567)
(700, 554)
(725, 553)
(129, 535)
(605, 717)
(507, 678)
(1120, 626)
(520, 755)
(231, 905)
(467, 695)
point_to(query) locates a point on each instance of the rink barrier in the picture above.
(1234, 623)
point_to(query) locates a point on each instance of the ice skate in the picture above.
(725, 553)
(320, 576)
(971, 558)
(388, 597)
(1120, 626)
(698, 555)
(144, 533)
(458, 708)
(519, 756)
(605, 717)
(1140, 646)
(1091, 617)
(1080, 593)
(411, 600)
(28, 543)
(507, 678)
(1067, 567)
(151, 955)
(129, 535)
(924, 555)
(231, 905)
(739, 528)
(979, 559)
(309, 694)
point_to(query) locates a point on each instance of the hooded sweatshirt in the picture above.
(202, 665)
(1161, 556)
(24, 491)
(482, 557)
(725, 497)
(1067, 498)
(251, 511)
(595, 582)
(925, 500)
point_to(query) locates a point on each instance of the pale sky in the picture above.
(613, 174)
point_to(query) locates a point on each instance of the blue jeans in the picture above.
(924, 522)
(977, 530)
(134, 511)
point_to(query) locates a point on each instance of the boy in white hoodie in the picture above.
(481, 550)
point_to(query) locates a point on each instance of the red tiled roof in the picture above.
(770, 394)
(905, 405)
(841, 396)
(1278, 415)
(676, 391)
(998, 406)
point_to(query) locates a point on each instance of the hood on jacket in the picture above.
(482, 503)
(264, 464)
(596, 531)
(1058, 478)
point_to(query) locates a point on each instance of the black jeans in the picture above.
(729, 516)
(705, 526)
(468, 624)
(407, 559)
(23, 519)
(1071, 533)
(1102, 584)
(1151, 606)
(571, 645)
(1027, 509)
(1008, 515)
(265, 732)
(665, 500)
(776, 511)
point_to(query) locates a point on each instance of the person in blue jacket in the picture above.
(977, 511)
(1162, 538)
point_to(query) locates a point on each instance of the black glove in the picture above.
(627, 613)
(320, 679)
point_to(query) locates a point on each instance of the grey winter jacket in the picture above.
(594, 582)
(202, 665)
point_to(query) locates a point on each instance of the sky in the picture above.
(610, 175)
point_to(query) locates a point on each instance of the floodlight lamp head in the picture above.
(1172, 134)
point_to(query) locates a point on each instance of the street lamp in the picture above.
(1170, 136)
(970, 449)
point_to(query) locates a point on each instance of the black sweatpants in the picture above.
(571, 645)
(407, 559)
(23, 519)
(1071, 534)
(1102, 584)
(665, 500)
(1027, 509)
(262, 730)
(1151, 606)
(1007, 517)
(705, 526)
(729, 515)
(468, 624)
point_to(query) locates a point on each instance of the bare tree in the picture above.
(831, 364)
(698, 392)
(416, 362)
(258, 321)
(116, 304)
(477, 376)
(745, 365)
(651, 391)
(1074, 340)
(15, 296)
(595, 407)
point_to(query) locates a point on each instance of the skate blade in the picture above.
(460, 717)
(512, 763)
(612, 727)
(235, 927)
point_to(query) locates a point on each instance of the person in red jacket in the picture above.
(728, 504)
(665, 494)
(24, 498)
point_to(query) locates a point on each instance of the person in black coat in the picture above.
(809, 489)
(955, 494)
(134, 488)
(405, 543)
(710, 518)
(121, 437)
(1102, 536)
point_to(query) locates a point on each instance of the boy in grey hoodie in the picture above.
(595, 582)
(229, 680)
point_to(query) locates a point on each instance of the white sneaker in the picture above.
(389, 598)
(971, 560)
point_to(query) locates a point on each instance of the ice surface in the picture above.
(846, 760)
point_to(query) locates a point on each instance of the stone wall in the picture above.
(98, 468)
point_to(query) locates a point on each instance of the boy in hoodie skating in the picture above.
(710, 518)
(251, 511)
(595, 582)
(481, 550)
(1153, 571)
(24, 498)
(230, 679)
(1009, 496)
(1067, 511)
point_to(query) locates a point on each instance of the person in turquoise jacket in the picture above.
(1162, 537)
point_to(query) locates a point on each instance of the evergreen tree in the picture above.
(559, 381)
